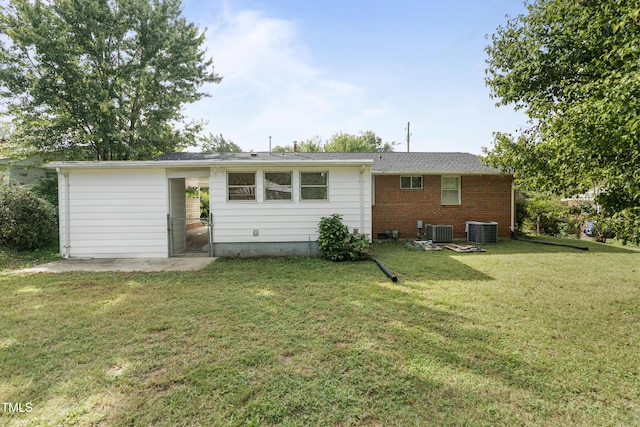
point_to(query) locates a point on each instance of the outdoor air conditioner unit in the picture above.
(482, 232)
(439, 232)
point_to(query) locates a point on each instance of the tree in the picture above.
(365, 142)
(311, 145)
(282, 149)
(340, 142)
(572, 66)
(102, 79)
(217, 144)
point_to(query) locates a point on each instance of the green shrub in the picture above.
(338, 244)
(26, 220)
(626, 225)
(47, 188)
(204, 202)
(547, 214)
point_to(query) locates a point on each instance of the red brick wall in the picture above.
(484, 198)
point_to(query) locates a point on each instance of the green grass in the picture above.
(13, 260)
(522, 334)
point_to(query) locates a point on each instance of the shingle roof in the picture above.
(383, 162)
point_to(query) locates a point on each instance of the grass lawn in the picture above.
(521, 334)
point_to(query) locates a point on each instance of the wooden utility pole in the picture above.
(408, 135)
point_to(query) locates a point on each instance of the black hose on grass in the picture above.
(389, 274)
(582, 248)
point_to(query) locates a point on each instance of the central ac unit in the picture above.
(482, 232)
(440, 233)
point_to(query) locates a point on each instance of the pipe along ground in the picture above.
(582, 248)
(389, 274)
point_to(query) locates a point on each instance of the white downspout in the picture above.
(361, 230)
(65, 245)
(513, 207)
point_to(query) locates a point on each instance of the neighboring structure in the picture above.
(18, 167)
(23, 172)
(270, 203)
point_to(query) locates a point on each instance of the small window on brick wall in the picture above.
(411, 182)
(450, 190)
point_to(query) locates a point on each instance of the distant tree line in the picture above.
(366, 141)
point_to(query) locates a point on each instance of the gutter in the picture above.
(362, 168)
(513, 207)
(65, 244)
(151, 164)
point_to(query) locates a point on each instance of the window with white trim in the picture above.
(450, 194)
(411, 182)
(277, 186)
(314, 185)
(241, 186)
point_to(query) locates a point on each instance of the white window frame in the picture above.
(290, 186)
(302, 199)
(255, 184)
(411, 187)
(443, 189)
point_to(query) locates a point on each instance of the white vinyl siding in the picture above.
(295, 221)
(450, 187)
(117, 213)
(123, 212)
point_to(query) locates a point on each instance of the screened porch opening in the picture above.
(189, 219)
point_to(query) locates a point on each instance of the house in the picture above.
(22, 171)
(269, 203)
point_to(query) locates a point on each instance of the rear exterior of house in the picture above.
(439, 189)
(269, 203)
(259, 205)
(483, 198)
(275, 209)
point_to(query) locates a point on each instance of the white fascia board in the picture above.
(152, 164)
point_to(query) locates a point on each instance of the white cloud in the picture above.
(271, 86)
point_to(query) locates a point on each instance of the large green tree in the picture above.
(218, 144)
(101, 79)
(573, 67)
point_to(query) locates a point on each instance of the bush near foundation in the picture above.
(26, 220)
(338, 244)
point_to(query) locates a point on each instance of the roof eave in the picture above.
(151, 164)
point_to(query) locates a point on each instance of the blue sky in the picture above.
(296, 69)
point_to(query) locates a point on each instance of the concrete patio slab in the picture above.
(121, 265)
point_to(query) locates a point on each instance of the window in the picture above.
(277, 186)
(313, 185)
(411, 182)
(450, 190)
(241, 185)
